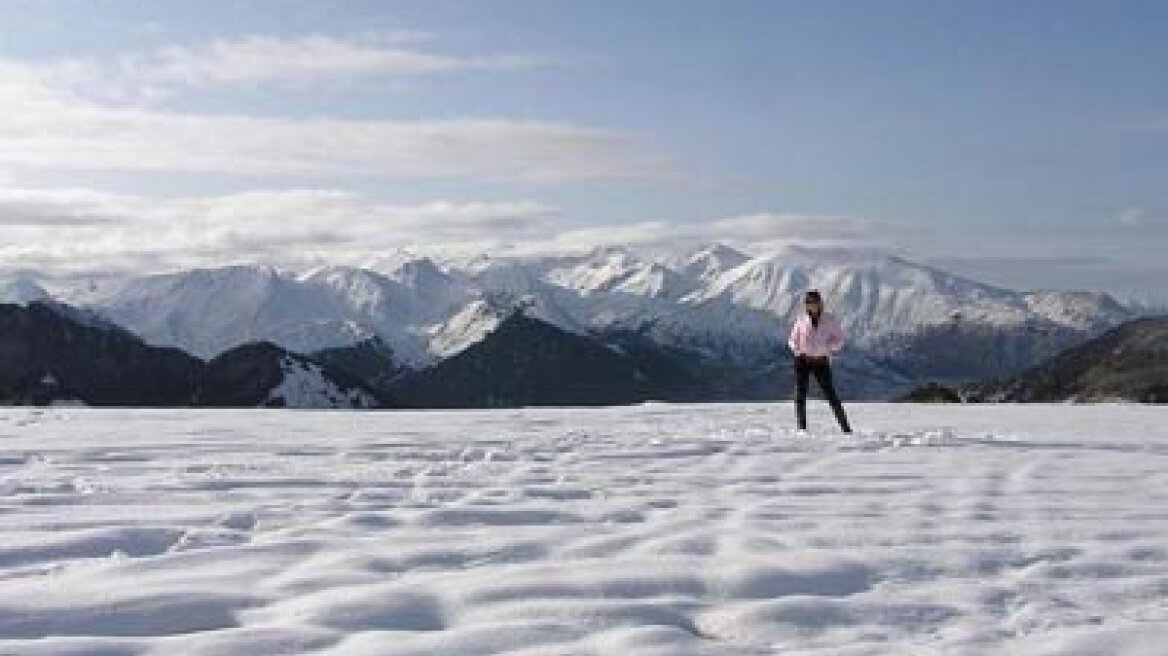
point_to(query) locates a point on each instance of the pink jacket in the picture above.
(826, 339)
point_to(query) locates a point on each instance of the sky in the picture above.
(1021, 143)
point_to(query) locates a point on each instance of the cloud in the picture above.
(64, 233)
(752, 232)
(47, 123)
(63, 207)
(264, 59)
(1136, 217)
(1121, 277)
(771, 227)
(58, 230)
(1131, 217)
(991, 261)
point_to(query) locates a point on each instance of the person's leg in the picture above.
(822, 372)
(802, 374)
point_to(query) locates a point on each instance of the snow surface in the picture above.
(654, 529)
(305, 385)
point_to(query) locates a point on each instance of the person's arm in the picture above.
(835, 337)
(793, 339)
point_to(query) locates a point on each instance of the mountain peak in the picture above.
(259, 269)
(338, 272)
(396, 259)
(720, 250)
(226, 275)
(713, 260)
(418, 272)
(22, 290)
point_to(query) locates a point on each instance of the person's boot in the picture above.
(841, 416)
(843, 421)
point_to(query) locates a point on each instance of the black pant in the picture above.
(821, 367)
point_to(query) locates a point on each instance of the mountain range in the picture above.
(710, 324)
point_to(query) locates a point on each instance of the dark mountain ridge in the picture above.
(1128, 362)
(48, 355)
(525, 361)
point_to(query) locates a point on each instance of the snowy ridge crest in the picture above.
(716, 298)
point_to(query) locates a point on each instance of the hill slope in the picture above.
(48, 356)
(265, 375)
(1129, 362)
(526, 361)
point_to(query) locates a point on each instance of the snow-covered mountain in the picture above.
(875, 294)
(717, 300)
(1089, 311)
(21, 291)
(724, 302)
(726, 310)
(24, 291)
(207, 311)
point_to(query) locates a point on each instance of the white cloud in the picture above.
(67, 207)
(56, 230)
(753, 232)
(49, 123)
(61, 230)
(1132, 217)
(263, 59)
(767, 227)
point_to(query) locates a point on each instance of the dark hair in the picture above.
(812, 295)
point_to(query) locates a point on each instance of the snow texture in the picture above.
(648, 530)
(304, 385)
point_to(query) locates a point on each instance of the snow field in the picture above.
(656, 529)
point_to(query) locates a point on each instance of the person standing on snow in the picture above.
(816, 336)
